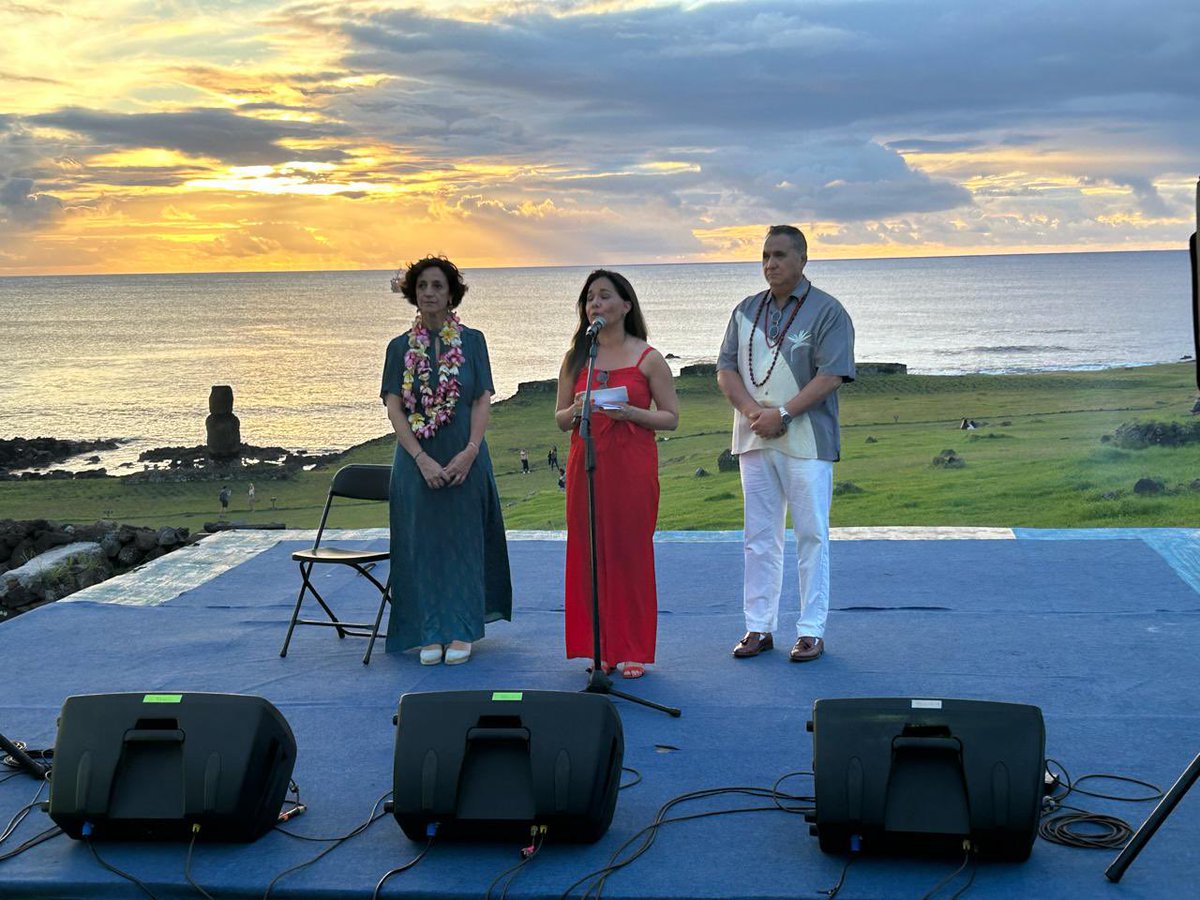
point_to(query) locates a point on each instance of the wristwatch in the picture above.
(785, 416)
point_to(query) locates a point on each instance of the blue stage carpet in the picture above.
(1097, 628)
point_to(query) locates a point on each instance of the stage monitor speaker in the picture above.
(923, 776)
(150, 766)
(488, 765)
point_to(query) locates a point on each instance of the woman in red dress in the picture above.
(626, 476)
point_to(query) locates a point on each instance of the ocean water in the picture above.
(135, 356)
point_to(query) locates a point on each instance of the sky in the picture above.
(257, 135)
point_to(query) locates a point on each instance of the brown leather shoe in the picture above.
(807, 649)
(753, 644)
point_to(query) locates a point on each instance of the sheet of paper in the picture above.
(610, 398)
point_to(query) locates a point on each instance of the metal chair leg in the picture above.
(333, 620)
(384, 601)
(295, 615)
(307, 586)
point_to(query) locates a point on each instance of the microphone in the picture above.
(22, 760)
(596, 327)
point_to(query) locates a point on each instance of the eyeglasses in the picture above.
(776, 316)
(602, 377)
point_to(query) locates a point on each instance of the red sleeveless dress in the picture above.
(626, 513)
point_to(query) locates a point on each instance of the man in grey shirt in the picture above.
(786, 352)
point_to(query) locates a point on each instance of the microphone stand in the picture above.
(1172, 797)
(1190, 775)
(24, 760)
(598, 682)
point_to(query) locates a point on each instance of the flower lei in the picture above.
(431, 408)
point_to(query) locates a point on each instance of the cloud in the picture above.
(783, 67)
(241, 245)
(1150, 202)
(569, 233)
(28, 79)
(918, 145)
(549, 130)
(215, 133)
(266, 238)
(20, 205)
(832, 86)
(824, 179)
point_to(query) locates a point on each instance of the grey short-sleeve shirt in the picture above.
(820, 341)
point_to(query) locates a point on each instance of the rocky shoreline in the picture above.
(20, 456)
(224, 456)
(198, 464)
(43, 452)
(43, 561)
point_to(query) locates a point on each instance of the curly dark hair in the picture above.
(408, 283)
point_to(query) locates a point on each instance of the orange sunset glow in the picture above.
(142, 136)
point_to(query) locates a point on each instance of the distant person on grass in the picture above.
(786, 352)
(250, 495)
(524, 461)
(224, 496)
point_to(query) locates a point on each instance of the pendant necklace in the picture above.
(775, 341)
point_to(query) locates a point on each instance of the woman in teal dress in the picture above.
(449, 568)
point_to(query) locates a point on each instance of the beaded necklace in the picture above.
(430, 408)
(777, 342)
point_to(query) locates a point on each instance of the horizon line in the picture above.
(707, 262)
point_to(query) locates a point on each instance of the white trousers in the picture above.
(773, 483)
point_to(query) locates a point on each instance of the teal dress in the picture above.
(450, 571)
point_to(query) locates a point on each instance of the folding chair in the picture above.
(355, 482)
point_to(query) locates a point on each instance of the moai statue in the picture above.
(224, 429)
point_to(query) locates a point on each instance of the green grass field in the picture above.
(1037, 461)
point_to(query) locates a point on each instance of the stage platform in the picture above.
(1098, 628)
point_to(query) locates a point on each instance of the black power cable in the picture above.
(1156, 795)
(833, 891)
(295, 809)
(21, 813)
(187, 865)
(649, 833)
(776, 794)
(529, 853)
(32, 842)
(374, 817)
(537, 836)
(431, 830)
(966, 887)
(949, 878)
(1083, 828)
(87, 837)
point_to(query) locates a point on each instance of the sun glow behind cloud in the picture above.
(252, 134)
(290, 178)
